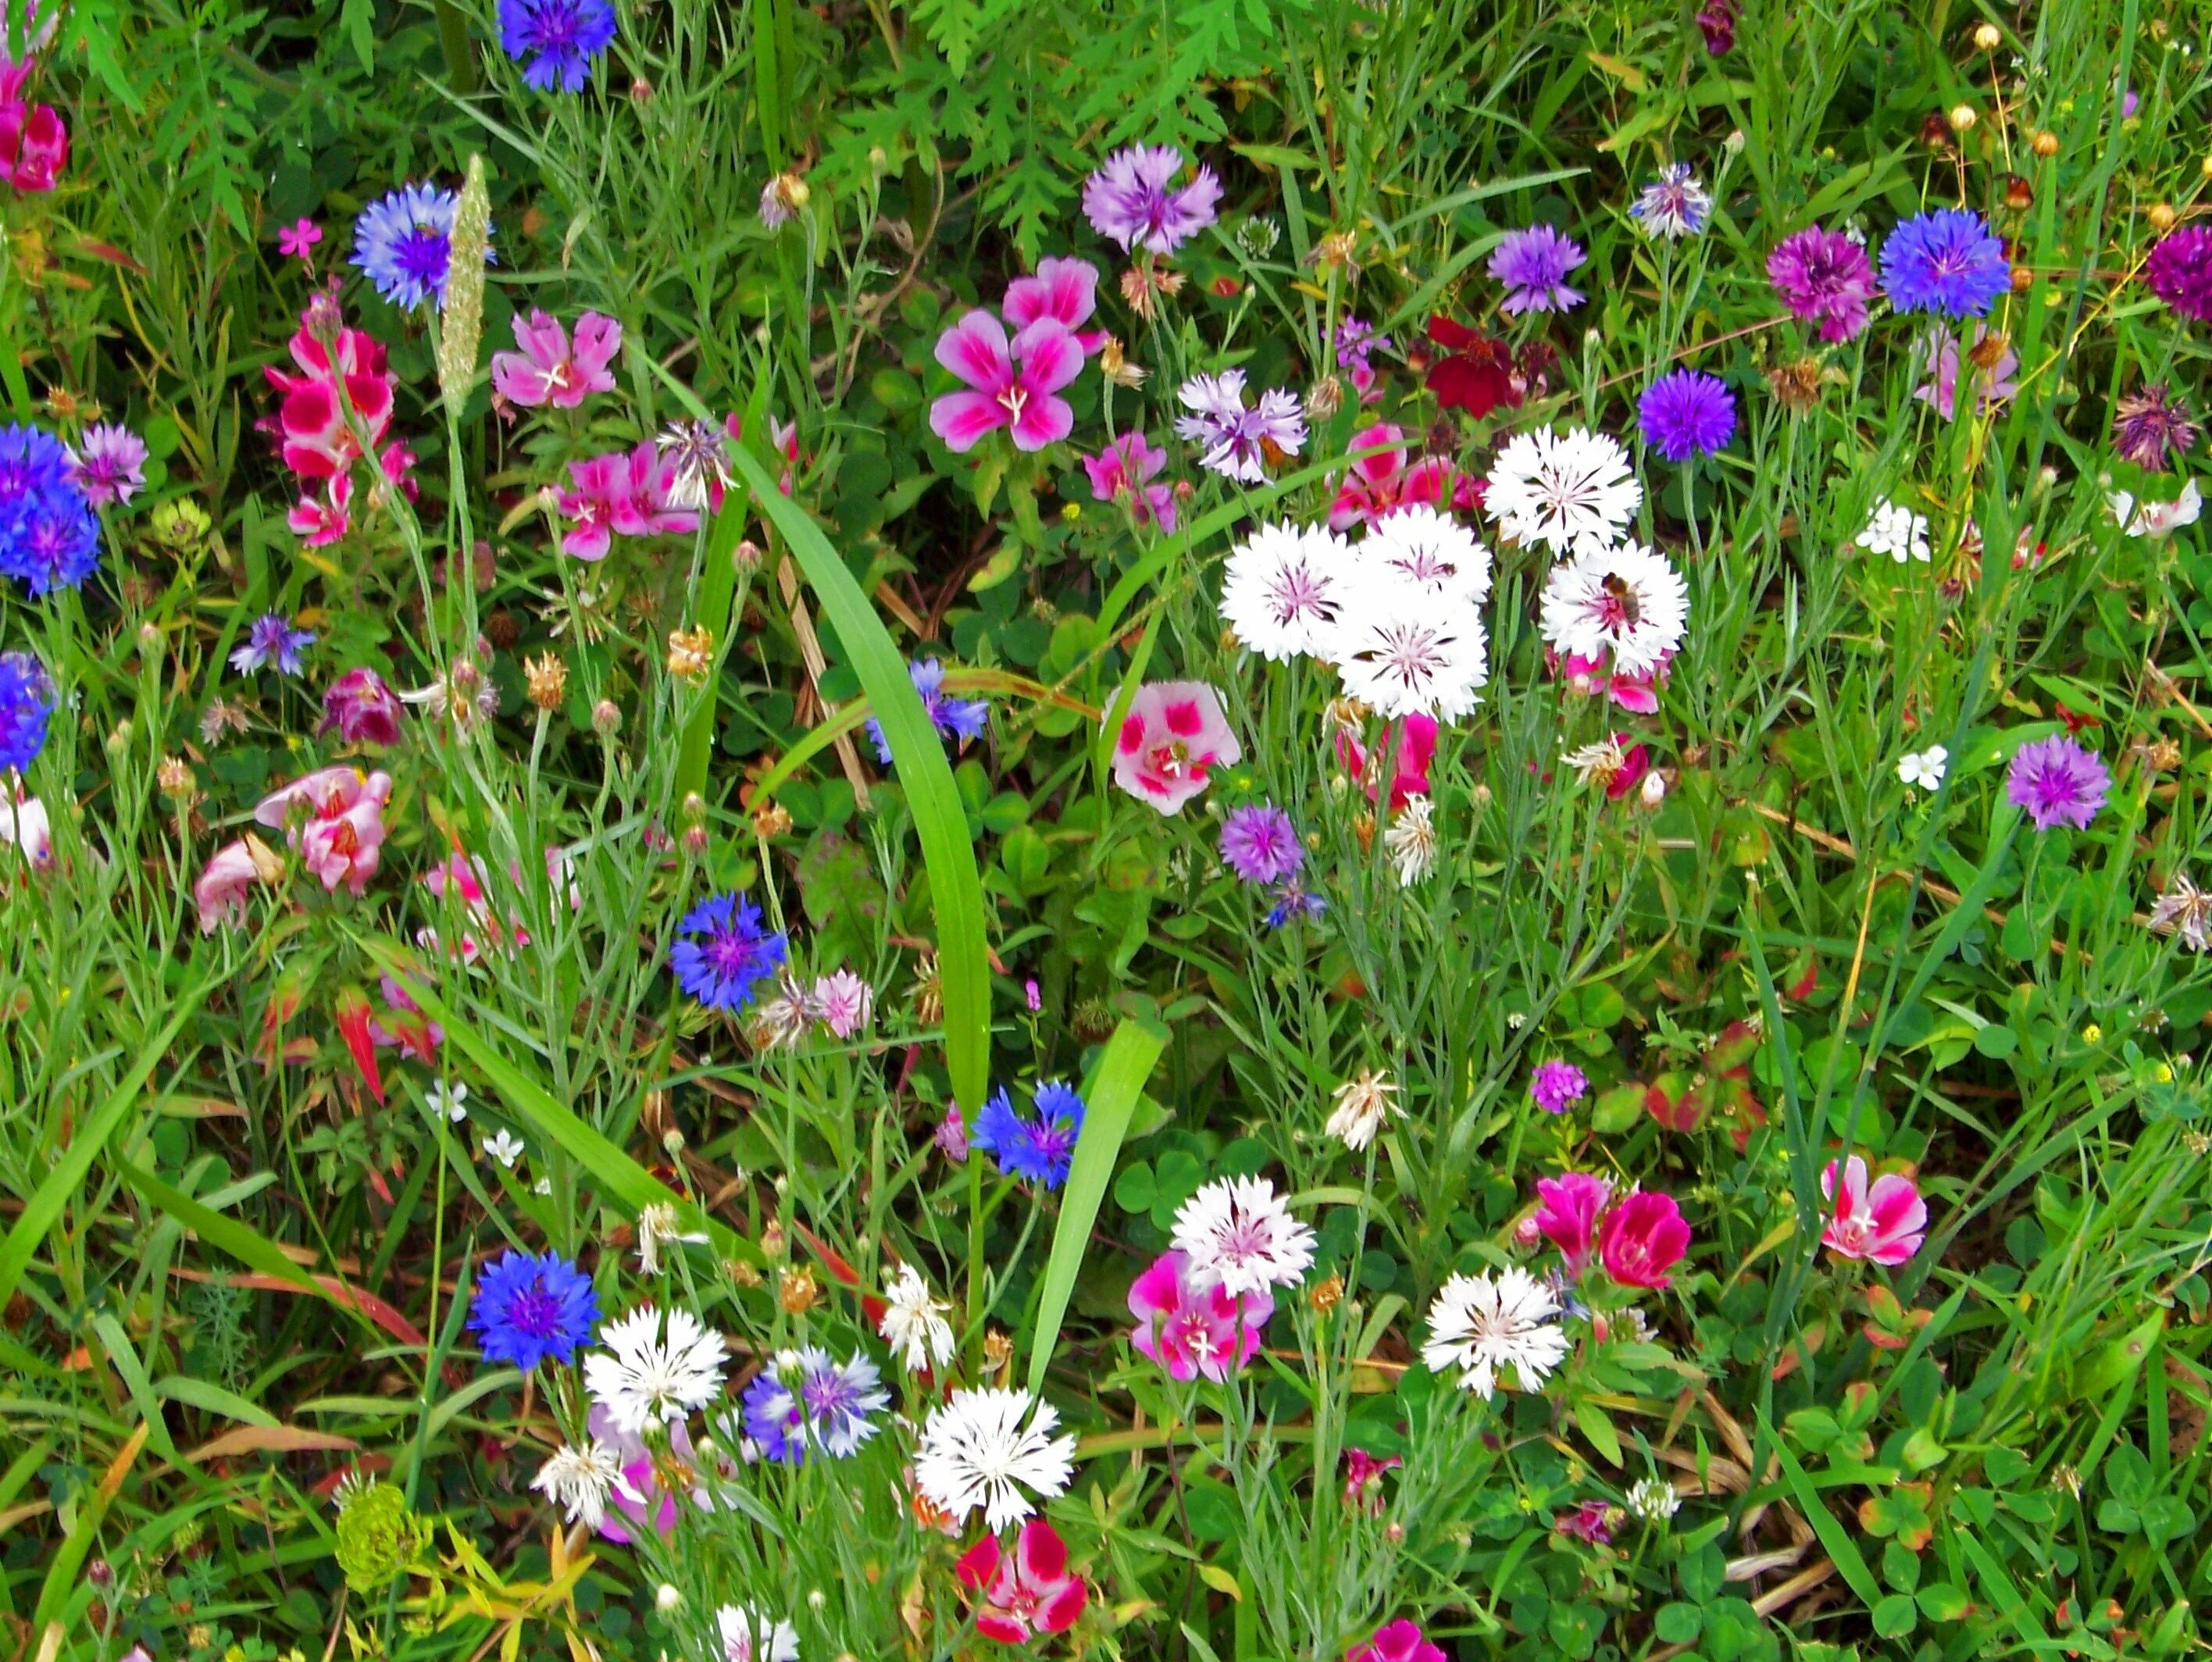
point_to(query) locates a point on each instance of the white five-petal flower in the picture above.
(1923, 770)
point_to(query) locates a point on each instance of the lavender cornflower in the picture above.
(1948, 262)
(803, 1400)
(1292, 899)
(2180, 272)
(1355, 340)
(1238, 441)
(2056, 780)
(959, 719)
(109, 463)
(27, 699)
(556, 40)
(1128, 200)
(1260, 844)
(727, 950)
(2152, 429)
(1675, 205)
(272, 639)
(1557, 1085)
(1533, 264)
(1823, 277)
(1685, 412)
(402, 242)
(1038, 1150)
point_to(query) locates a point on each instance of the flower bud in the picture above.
(1962, 117)
(545, 679)
(151, 642)
(2046, 145)
(1654, 790)
(1988, 38)
(2162, 217)
(667, 1599)
(746, 557)
(606, 719)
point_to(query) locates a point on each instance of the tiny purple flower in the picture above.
(272, 640)
(1260, 844)
(1032, 995)
(109, 464)
(2056, 781)
(1824, 277)
(1557, 1085)
(1355, 340)
(1685, 412)
(1130, 201)
(1533, 264)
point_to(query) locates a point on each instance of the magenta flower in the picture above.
(297, 240)
(1411, 745)
(1568, 1207)
(1124, 470)
(1639, 1241)
(1885, 1223)
(1064, 290)
(1824, 278)
(109, 463)
(1588, 1522)
(2057, 781)
(1589, 677)
(1173, 733)
(1557, 1085)
(1362, 1479)
(548, 370)
(1398, 1641)
(1029, 1591)
(1129, 202)
(361, 709)
(628, 493)
(1010, 386)
(2179, 271)
(1534, 264)
(1383, 483)
(1992, 386)
(1188, 1330)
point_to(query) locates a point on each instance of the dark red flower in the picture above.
(1476, 374)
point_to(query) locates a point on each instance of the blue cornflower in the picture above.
(402, 242)
(27, 698)
(1948, 262)
(529, 1308)
(48, 536)
(1293, 899)
(963, 719)
(272, 639)
(803, 1398)
(733, 952)
(556, 40)
(1685, 412)
(1675, 205)
(1039, 1150)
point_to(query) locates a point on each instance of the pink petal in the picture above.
(962, 418)
(1044, 420)
(1040, 1554)
(519, 381)
(598, 337)
(1051, 357)
(975, 349)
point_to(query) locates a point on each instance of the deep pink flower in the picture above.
(639, 1500)
(548, 370)
(361, 709)
(620, 492)
(1173, 732)
(1028, 1593)
(335, 818)
(34, 144)
(1590, 677)
(463, 876)
(297, 240)
(1640, 1240)
(321, 520)
(1591, 1521)
(1411, 744)
(1125, 467)
(1383, 483)
(1011, 385)
(1064, 290)
(1886, 1222)
(1362, 1479)
(316, 441)
(1398, 1641)
(1189, 1331)
(1567, 1213)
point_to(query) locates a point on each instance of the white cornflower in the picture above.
(780, 1021)
(505, 1147)
(2156, 520)
(1559, 488)
(1429, 552)
(658, 1227)
(1626, 600)
(754, 1635)
(1364, 1104)
(1404, 652)
(1675, 205)
(1238, 1236)
(1478, 1324)
(1897, 532)
(976, 1450)
(638, 1378)
(1923, 770)
(1283, 589)
(2185, 910)
(578, 1480)
(1412, 842)
(914, 1324)
(450, 1100)
(1598, 763)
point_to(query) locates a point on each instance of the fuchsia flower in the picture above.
(1590, 677)
(1362, 1479)
(1383, 483)
(1591, 1521)
(625, 492)
(1028, 1592)
(463, 875)
(1190, 1330)
(1011, 385)
(334, 817)
(1886, 1222)
(1398, 1641)
(1173, 732)
(1124, 469)
(297, 240)
(1639, 1241)
(1411, 744)
(361, 709)
(1567, 1215)
(34, 139)
(548, 370)
(1064, 289)
(317, 442)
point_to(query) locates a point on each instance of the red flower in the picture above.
(1030, 1592)
(1411, 749)
(1641, 1238)
(1475, 374)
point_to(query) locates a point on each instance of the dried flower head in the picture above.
(545, 680)
(690, 654)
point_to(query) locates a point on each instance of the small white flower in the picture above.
(1626, 600)
(1364, 1105)
(505, 1147)
(1897, 532)
(544, 1186)
(578, 1480)
(977, 1452)
(1418, 546)
(1560, 488)
(1654, 1499)
(914, 1324)
(2157, 519)
(668, 1598)
(658, 1228)
(1923, 770)
(449, 1100)
(1479, 1324)
(1284, 588)
(1238, 1236)
(1404, 652)
(2184, 909)
(754, 1635)
(1653, 790)
(1412, 842)
(638, 1378)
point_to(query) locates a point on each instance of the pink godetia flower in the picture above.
(1643, 1238)
(1028, 1591)
(1590, 677)
(618, 492)
(1398, 1642)
(458, 880)
(334, 818)
(1885, 1222)
(229, 877)
(1383, 483)
(1174, 732)
(1992, 382)
(361, 709)
(33, 138)
(1362, 1479)
(25, 827)
(1011, 384)
(1567, 1212)
(1189, 1331)
(1409, 744)
(337, 373)
(404, 1026)
(1123, 471)
(319, 521)
(297, 240)
(549, 369)
(1064, 289)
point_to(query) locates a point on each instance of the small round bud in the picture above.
(695, 841)
(2019, 194)
(151, 642)
(1526, 1233)
(1654, 790)
(174, 776)
(2162, 216)
(666, 1600)
(2046, 145)
(1989, 37)
(817, 1601)
(671, 1142)
(1394, 1531)
(2023, 279)
(772, 1242)
(694, 807)
(100, 1573)
(640, 91)
(746, 556)
(606, 718)
(1962, 117)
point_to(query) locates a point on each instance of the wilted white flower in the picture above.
(1237, 1235)
(658, 1227)
(578, 1480)
(1364, 1105)
(2184, 910)
(1479, 1324)
(640, 1378)
(1412, 842)
(914, 1324)
(976, 1451)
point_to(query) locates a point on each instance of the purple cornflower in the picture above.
(1823, 277)
(1130, 201)
(109, 463)
(272, 639)
(1685, 412)
(27, 699)
(1533, 264)
(1948, 262)
(2180, 272)
(1039, 1150)
(959, 719)
(2151, 428)
(402, 242)
(1356, 340)
(556, 40)
(1237, 440)
(361, 709)
(804, 1399)
(1675, 205)
(1292, 899)
(951, 1135)
(529, 1308)
(2056, 780)
(1260, 844)
(727, 950)
(1557, 1085)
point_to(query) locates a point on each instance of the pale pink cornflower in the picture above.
(844, 1002)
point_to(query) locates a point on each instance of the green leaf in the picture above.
(213, 1399)
(1598, 1429)
(1834, 1536)
(1896, 1616)
(1109, 1095)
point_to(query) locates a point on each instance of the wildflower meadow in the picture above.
(1233, 831)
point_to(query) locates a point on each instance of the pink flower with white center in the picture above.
(1567, 1213)
(109, 463)
(1011, 384)
(1237, 1235)
(844, 1002)
(1403, 651)
(1190, 1330)
(334, 818)
(1383, 483)
(1284, 589)
(1123, 472)
(1885, 1222)
(1589, 677)
(1173, 733)
(548, 369)
(1028, 1592)
(629, 493)
(1064, 290)
(1625, 604)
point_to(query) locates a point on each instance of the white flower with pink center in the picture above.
(1284, 588)
(1627, 602)
(1236, 1235)
(1428, 551)
(1403, 651)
